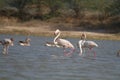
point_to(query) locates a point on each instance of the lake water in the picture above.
(39, 62)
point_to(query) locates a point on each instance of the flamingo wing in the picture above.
(90, 44)
(64, 43)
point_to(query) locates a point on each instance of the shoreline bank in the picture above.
(38, 31)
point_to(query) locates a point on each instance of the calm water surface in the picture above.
(39, 62)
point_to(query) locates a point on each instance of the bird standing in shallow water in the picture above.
(63, 43)
(86, 44)
(6, 43)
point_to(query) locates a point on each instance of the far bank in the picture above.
(38, 31)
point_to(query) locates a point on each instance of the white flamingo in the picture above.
(25, 43)
(6, 43)
(63, 43)
(86, 44)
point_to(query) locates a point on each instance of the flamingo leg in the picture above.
(90, 49)
(94, 53)
(69, 53)
(65, 53)
(83, 51)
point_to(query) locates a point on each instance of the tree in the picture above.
(20, 5)
(77, 6)
(114, 8)
(54, 6)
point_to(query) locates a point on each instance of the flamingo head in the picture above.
(83, 36)
(57, 32)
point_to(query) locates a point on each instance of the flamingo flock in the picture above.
(57, 42)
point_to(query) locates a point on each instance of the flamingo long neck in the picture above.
(56, 38)
(80, 43)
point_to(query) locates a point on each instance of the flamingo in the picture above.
(86, 44)
(25, 43)
(6, 43)
(58, 42)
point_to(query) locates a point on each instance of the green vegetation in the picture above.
(67, 14)
(107, 7)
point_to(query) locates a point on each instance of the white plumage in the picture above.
(58, 42)
(87, 44)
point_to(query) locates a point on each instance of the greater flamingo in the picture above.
(63, 43)
(25, 43)
(86, 44)
(6, 43)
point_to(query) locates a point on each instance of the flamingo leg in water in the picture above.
(83, 51)
(69, 53)
(94, 53)
(89, 52)
(65, 53)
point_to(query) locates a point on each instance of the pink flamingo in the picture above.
(6, 43)
(63, 43)
(86, 44)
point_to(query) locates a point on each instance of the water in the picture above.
(39, 62)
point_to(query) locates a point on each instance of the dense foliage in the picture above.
(111, 7)
(79, 12)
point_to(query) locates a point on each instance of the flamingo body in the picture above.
(63, 43)
(87, 44)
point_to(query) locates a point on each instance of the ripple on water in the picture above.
(39, 62)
